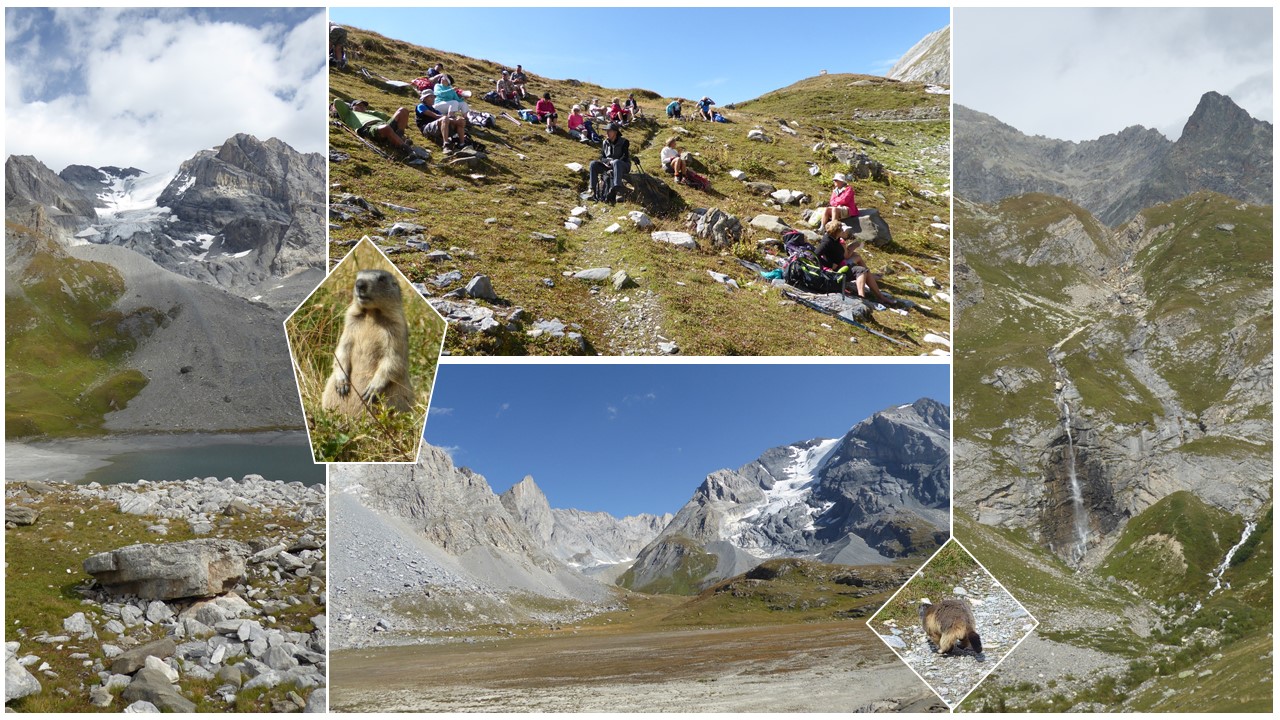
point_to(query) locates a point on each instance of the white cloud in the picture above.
(440, 411)
(150, 89)
(1080, 73)
(502, 408)
(612, 411)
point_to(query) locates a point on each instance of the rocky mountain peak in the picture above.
(27, 182)
(527, 503)
(927, 61)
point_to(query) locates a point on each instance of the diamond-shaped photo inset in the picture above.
(952, 623)
(365, 347)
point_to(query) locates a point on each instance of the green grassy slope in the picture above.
(1216, 658)
(526, 188)
(65, 344)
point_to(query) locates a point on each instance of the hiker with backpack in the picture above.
(671, 160)
(673, 109)
(580, 127)
(518, 80)
(842, 205)
(546, 112)
(615, 153)
(704, 108)
(838, 252)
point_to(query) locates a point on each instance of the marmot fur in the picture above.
(950, 624)
(373, 352)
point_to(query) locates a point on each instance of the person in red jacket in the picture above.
(842, 203)
(546, 111)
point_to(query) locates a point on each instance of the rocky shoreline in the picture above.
(217, 604)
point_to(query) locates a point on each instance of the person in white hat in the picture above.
(842, 203)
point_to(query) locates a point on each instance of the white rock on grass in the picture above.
(640, 219)
(142, 706)
(575, 167)
(679, 239)
(613, 228)
(937, 340)
(737, 174)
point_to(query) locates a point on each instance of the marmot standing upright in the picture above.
(950, 624)
(373, 352)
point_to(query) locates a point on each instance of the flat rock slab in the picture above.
(679, 239)
(20, 515)
(194, 568)
(772, 223)
(133, 660)
(154, 687)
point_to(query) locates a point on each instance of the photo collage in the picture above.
(475, 359)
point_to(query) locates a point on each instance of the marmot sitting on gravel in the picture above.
(950, 624)
(373, 352)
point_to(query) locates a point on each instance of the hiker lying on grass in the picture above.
(632, 107)
(673, 109)
(842, 203)
(580, 127)
(671, 160)
(615, 152)
(518, 80)
(447, 98)
(379, 127)
(839, 252)
(704, 108)
(617, 114)
(546, 111)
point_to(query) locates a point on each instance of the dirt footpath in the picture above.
(829, 667)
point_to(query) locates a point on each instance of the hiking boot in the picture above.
(612, 197)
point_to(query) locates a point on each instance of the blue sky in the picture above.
(640, 438)
(149, 88)
(730, 54)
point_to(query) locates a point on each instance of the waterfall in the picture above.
(1079, 516)
(1249, 527)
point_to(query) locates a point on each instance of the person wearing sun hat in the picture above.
(842, 203)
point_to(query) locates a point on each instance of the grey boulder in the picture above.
(194, 568)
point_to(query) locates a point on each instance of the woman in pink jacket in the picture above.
(842, 203)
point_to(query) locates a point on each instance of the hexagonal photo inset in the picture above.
(365, 347)
(952, 623)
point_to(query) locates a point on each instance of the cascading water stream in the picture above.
(1079, 516)
(1249, 527)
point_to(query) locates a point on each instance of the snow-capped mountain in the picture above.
(242, 216)
(878, 493)
(179, 280)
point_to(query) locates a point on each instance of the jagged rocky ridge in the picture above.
(1221, 149)
(878, 493)
(587, 541)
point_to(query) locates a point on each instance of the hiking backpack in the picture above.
(803, 270)
(422, 83)
(696, 181)
(483, 119)
(794, 241)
